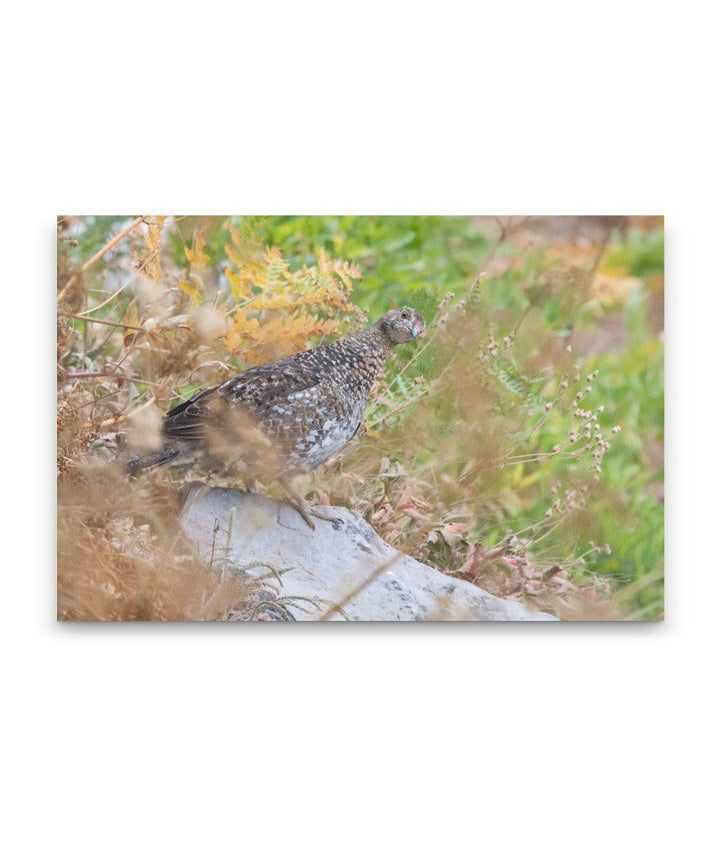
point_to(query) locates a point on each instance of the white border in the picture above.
(505, 739)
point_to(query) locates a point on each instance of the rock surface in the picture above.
(305, 573)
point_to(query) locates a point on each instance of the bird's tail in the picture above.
(154, 459)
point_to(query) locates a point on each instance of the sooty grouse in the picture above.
(283, 418)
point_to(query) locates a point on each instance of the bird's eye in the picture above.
(404, 314)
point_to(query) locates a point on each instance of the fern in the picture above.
(511, 379)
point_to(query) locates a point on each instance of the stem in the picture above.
(123, 416)
(112, 296)
(337, 607)
(101, 321)
(400, 406)
(100, 253)
(82, 375)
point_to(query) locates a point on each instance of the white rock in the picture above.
(326, 565)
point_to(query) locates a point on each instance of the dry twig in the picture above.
(123, 416)
(360, 587)
(100, 253)
(100, 321)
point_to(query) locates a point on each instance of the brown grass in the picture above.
(123, 557)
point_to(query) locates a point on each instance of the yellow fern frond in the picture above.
(132, 319)
(192, 289)
(234, 255)
(149, 262)
(281, 310)
(239, 283)
(195, 255)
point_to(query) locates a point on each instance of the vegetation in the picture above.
(519, 445)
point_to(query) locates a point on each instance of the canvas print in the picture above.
(360, 418)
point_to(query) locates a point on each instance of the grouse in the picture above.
(283, 418)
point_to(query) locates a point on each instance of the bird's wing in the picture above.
(262, 387)
(263, 393)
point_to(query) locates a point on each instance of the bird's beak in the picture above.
(417, 331)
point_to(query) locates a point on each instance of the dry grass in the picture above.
(123, 557)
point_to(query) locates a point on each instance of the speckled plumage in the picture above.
(288, 416)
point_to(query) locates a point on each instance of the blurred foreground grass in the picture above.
(543, 330)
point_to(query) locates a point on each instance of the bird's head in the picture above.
(401, 325)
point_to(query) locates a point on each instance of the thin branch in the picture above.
(100, 253)
(123, 416)
(360, 587)
(112, 296)
(101, 321)
(119, 376)
(403, 404)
